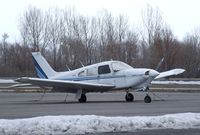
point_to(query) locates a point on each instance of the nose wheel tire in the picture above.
(129, 97)
(147, 99)
(83, 98)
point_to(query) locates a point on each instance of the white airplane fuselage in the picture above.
(123, 79)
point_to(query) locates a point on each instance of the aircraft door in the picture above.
(105, 75)
(93, 73)
(118, 75)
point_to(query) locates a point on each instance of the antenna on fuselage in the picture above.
(81, 64)
(68, 68)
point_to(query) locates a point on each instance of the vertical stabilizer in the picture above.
(43, 69)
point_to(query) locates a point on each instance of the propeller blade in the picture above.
(159, 64)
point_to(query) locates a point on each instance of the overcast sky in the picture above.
(182, 15)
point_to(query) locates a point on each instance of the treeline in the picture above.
(67, 39)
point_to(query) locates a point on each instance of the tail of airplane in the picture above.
(43, 69)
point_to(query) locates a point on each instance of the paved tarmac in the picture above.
(25, 105)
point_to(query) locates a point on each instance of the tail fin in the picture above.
(42, 67)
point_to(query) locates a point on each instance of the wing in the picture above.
(64, 84)
(170, 73)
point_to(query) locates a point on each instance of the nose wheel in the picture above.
(147, 99)
(129, 97)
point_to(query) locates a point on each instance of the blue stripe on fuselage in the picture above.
(92, 78)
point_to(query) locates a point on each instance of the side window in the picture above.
(105, 69)
(92, 71)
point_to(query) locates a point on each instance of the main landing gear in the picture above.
(83, 98)
(130, 98)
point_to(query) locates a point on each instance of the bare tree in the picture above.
(32, 28)
(153, 23)
(170, 49)
(190, 54)
(4, 48)
(54, 32)
(152, 38)
(108, 36)
(65, 37)
(72, 42)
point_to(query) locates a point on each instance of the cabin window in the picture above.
(105, 69)
(92, 71)
(118, 66)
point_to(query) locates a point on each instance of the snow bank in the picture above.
(177, 82)
(94, 124)
(7, 81)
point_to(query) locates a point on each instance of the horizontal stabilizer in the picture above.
(170, 73)
(19, 85)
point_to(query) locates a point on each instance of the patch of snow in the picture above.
(81, 124)
(7, 81)
(177, 82)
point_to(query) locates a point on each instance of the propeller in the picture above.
(159, 64)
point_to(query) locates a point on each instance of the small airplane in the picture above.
(100, 77)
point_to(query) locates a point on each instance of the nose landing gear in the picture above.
(147, 99)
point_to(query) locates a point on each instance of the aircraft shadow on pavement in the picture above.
(76, 102)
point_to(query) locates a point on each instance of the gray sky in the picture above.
(182, 15)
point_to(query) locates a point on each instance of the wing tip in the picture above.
(179, 71)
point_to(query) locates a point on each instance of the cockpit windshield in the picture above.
(117, 66)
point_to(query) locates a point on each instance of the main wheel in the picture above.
(147, 99)
(129, 97)
(83, 98)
